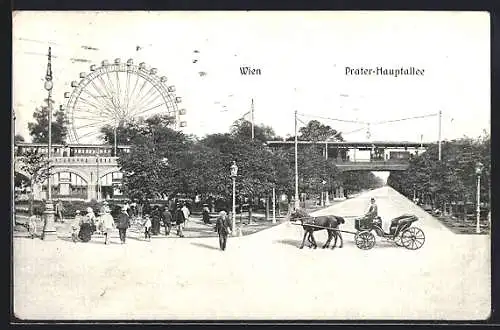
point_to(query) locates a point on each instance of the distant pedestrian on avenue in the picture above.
(75, 226)
(123, 224)
(155, 215)
(167, 220)
(206, 214)
(186, 212)
(223, 227)
(59, 208)
(179, 220)
(86, 224)
(32, 226)
(108, 223)
(147, 228)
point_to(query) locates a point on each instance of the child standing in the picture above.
(32, 226)
(75, 226)
(147, 228)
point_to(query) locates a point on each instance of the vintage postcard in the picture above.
(251, 166)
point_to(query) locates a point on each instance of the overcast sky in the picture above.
(302, 57)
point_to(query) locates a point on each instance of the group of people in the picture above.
(84, 226)
(152, 222)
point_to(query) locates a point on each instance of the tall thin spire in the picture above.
(49, 66)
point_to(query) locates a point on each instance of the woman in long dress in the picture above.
(86, 225)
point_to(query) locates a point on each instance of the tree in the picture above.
(453, 178)
(18, 138)
(243, 130)
(158, 161)
(37, 167)
(316, 131)
(40, 127)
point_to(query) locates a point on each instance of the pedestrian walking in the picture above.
(155, 215)
(179, 220)
(107, 223)
(123, 224)
(167, 221)
(133, 207)
(32, 226)
(59, 208)
(147, 228)
(186, 213)
(223, 227)
(206, 214)
(86, 226)
(75, 226)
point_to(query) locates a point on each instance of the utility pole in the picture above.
(252, 110)
(297, 203)
(49, 229)
(439, 136)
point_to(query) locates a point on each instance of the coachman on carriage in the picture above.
(401, 231)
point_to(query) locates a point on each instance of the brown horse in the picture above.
(325, 222)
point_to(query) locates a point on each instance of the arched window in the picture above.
(67, 184)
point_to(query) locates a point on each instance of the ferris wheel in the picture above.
(114, 93)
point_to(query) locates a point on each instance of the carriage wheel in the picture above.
(413, 238)
(397, 240)
(365, 240)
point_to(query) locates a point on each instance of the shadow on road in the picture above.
(206, 246)
(92, 241)
(291, 242)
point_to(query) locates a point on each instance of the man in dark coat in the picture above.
(167, 220)
(123, 224)
(155, 215)
(179, 220)
(223, 227)
(206, 214)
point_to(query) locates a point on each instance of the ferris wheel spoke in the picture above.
(102, 123)
(100, 110)
(151, 108)
(102, 94)
(151, 101)
(146, 105)
(103, 105)
(118, 87)
(90, 134)
(84, 100)
(139, 93)
(103, 83)
(126, 99)
(110, 83)
(144, 98)
(133, 90)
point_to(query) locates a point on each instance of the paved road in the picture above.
(260, 276)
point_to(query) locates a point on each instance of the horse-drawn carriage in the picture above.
(401, 231)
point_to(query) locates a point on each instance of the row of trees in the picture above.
(451, 180)
(163, 161)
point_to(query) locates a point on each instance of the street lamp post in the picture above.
(479, 169)
(234, 173)
(49, 229)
